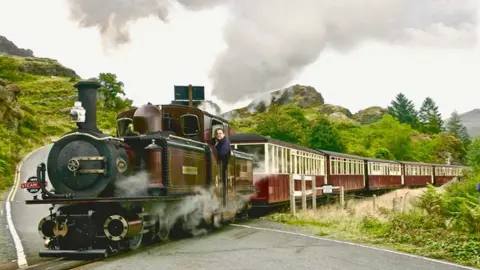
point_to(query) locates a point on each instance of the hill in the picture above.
(299, 114)
(471, 120)
(36, 95)
(310, 100)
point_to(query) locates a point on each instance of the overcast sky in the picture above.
(351, 70)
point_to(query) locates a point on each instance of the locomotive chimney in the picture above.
(87, 95)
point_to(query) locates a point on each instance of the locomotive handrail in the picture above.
(91, 136)
(188, 140)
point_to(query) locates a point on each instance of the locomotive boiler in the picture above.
(112, 193)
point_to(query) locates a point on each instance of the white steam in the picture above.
(269, 42)
(191, 211)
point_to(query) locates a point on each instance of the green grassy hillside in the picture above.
(35, 98)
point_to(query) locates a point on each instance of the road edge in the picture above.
(21, 258)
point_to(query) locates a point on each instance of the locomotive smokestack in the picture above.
(87, 95)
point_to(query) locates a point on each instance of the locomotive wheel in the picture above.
(135, 242)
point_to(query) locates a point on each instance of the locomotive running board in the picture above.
(109, 199)
(74, 253)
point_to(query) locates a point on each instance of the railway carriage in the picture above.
(417, 174)
(383, 174)
(445, 173)
(345, 170)
(274, 161)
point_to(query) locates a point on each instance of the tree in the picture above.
(403, 109)
(323, 135)
(390, 134)
(286, 123)
(430, 117)
(110, 90)
(473, 153)
(457, 129)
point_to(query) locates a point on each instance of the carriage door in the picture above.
(227, 185)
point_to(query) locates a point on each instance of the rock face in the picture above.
(46, 67)
(330, 109)
(369, 115)
(299, 95)
(10, 111)
(9, 48)
(471, 120)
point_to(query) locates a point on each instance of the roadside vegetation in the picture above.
(36, 95)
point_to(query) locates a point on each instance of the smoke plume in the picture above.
(269, 42)
(190, 211)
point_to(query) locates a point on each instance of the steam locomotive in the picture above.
(112, 193)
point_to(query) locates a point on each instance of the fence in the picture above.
(327, 189)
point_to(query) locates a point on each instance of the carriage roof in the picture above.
(255, 138)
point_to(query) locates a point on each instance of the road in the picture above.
(25, 217)
(258, 244)
(254, 244)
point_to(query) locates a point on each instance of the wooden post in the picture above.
(292, 195)
(304, 193)
(395, 200)
(342, 197)
(190, 94)
(314, 194)
(404, 202)
(374, 201)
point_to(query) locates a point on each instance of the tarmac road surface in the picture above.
(24, 217)
(257, 244)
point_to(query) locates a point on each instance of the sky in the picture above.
(351, 69)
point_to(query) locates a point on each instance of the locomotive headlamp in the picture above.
(77, 113)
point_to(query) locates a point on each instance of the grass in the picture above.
(41, 111)
(441, 223)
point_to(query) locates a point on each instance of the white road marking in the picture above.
(21, 258)
(356, 245)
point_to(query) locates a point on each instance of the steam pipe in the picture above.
(87, 95)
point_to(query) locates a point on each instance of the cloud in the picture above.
(270, 42)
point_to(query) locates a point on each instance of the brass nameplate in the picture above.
(189, 170)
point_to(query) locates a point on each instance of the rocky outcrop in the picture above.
(369, 115)
(330, 109)
(9, 48)
(46, 67)
(10, 111)
(299, 95)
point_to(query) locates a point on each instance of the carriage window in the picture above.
(190, 124)
(258, 152)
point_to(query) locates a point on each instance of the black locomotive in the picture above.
(112, 193)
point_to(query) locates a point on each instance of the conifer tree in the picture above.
(430, 117)
(457, 129)
(403, 109)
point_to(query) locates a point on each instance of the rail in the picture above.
(326, 189)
